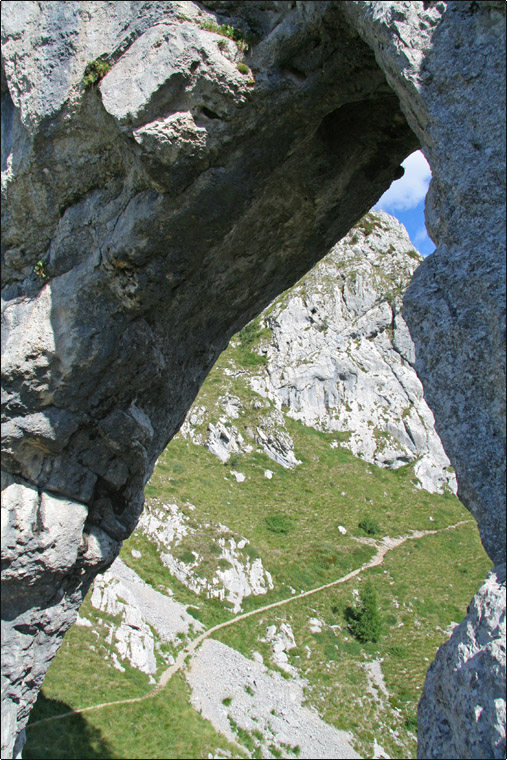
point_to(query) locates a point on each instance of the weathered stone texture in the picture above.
(452, 89)
(340, 357)
(454, 101)
(465, 685)
(166, 206)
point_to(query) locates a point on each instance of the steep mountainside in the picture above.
(335, 353)
(261, 505)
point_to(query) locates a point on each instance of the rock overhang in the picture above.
(285, 176)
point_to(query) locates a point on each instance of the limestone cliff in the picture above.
(156, 197)
(335, 353)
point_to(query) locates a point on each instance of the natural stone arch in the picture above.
(165, 207)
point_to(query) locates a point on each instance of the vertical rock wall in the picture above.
(150, 215)
(451, 84)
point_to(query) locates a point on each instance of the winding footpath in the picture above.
(383, 546)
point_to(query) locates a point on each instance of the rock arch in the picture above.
(150, 215)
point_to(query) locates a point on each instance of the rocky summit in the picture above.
(168, 169)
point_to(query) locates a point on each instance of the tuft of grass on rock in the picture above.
(95, 71)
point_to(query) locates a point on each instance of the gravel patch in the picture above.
(162, 613)
(263, 702)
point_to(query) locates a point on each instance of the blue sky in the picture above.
(405, 200)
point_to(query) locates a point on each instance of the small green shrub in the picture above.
(250, 332)
(243, 40)
(243, 68)
(227, 701)
(41, 270)
(234, 460)
(249, 337)
(366, 622)
(368, 224)
(95, 71)
(224, 29)
(251, 359)
(369, 526)
(251, 552)
(279, 523)
(197, 614)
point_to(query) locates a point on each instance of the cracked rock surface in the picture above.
(340, 356)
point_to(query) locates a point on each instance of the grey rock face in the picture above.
(149, 217)
(141, 610)
(340, 355)
(459, 332)
(465, 684)
(455, 310)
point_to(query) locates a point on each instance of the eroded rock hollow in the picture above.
(153, 205)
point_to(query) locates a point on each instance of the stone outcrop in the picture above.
(455, 310)
(335, 353)
(141, 610)
(149, 215)
(469, 665)
(235, 574)
(340, 357)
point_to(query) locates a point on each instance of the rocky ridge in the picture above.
(142, 609)
(335, 353)
(485, 622)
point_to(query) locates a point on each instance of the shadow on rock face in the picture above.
(72, 738)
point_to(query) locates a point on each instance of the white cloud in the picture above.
(421, 236)
(411, 189)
